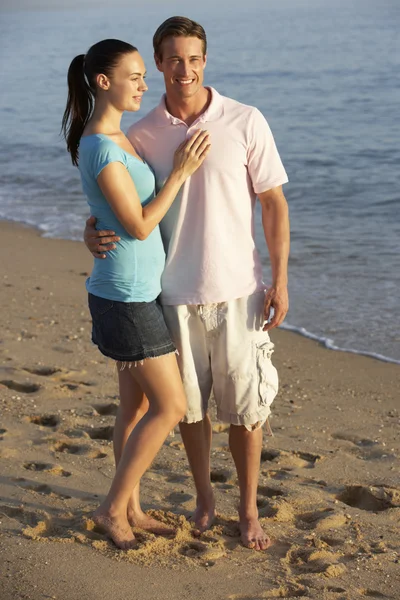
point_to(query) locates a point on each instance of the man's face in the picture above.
(182, 65)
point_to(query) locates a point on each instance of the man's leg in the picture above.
(246, 452)
(245, 383)
(197, 440)
(188, 332)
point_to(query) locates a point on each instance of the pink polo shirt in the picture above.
(208, 232)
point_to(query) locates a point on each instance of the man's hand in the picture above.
(276, 298)
(98, 242)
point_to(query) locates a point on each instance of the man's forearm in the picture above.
(275, 219)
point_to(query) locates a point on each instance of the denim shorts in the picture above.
(129, 331)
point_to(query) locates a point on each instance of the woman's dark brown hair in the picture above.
(101, 58)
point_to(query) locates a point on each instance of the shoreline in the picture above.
(328, 495)
(323, 341)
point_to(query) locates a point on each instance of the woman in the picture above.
(127, 321)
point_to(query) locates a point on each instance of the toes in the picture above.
(263, 543)
(126, 544)
(256, 543)
(196, 532)
(266, 543)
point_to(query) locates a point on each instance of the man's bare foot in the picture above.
(116, 528)
(147, 523)
(204, 515)
(252, 534)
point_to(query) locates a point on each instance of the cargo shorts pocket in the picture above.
(267, 374)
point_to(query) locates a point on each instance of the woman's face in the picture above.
(126, 84)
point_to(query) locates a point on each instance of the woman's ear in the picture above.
(103, 82)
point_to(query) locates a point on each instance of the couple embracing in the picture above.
(176, 293)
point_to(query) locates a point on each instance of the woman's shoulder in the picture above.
(98, 147)
(98, 142)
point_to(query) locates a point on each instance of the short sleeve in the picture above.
(263, 161)
(105, 153)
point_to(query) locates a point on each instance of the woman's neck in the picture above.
(105, 119)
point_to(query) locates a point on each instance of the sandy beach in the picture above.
(329, 493)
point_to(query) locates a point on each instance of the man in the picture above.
(213, 297)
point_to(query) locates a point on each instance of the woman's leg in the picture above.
(161, 383)
(133, 406)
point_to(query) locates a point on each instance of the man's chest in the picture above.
(227, 156)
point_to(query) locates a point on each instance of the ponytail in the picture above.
(79, 106)
(100, 58)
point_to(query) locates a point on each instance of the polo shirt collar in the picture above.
(214, 111)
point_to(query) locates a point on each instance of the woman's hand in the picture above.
(192, 153)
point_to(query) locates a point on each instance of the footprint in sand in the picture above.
(373, 498)
(42, 488)
(64, 447)
(43, 371)
(372, 593)
(178, 497)
(39, 525)
(106, 409)
(46, 468)
(278, 474)
(333, 542)
(74, 385)
(101, 433)
(269, 492)
(335, 590)
(321, 520)
(35, 525)
(269, 455)
(277, 508)
(311, 560)
(44, 420)
(304, 460)
(264, 495)
(62, 350)
(364, 448)
(222, 476)
(24, 388)
(69, 386)
(176, 478)
(202, 551)
(20, 514)
(354, 439)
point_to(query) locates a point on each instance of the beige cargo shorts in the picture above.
(224, 353)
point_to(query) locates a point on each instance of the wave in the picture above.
(329, 344)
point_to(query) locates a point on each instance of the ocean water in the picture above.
(327, 78)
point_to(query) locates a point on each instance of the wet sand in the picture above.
(329, 493)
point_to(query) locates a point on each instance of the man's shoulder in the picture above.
(230, 104)
(144, 123)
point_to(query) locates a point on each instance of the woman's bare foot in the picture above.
(116, 528)
(147, 523)
(252, 534)
(204, 515)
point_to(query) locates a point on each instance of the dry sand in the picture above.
(329, 487)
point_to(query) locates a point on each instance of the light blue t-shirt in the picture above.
(131, 272)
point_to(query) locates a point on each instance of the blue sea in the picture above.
(326, 75)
